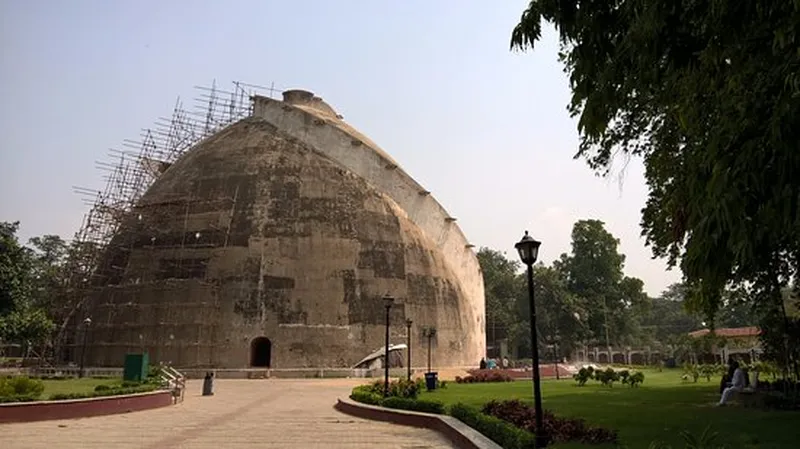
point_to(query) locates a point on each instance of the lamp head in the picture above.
(528, 249)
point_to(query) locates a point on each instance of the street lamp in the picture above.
(86, 323)
(409, 322)
(387, 302)
(528, 249)
(430, 334)
(556, 340)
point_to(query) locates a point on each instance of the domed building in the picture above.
(272, 243)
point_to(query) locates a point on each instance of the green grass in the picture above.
(658, 410)
(74, 385)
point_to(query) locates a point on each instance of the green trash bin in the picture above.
(136, 367)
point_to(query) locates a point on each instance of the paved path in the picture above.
(242, 414)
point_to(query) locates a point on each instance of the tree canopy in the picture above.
(708, 94)
(23, 316)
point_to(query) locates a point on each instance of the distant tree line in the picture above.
(585, 298)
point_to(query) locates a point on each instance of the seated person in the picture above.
(737, 384)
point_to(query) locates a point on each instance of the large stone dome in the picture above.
(256, 248)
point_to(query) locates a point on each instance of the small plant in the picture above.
(708, 371)
(623, 376)
(20, 389)
(583, 375)
(401, 388)
(636, 379)
(607, 377)
(705, 441)
(690, 371)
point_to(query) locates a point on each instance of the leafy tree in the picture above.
(502, 289)
(594, 275)
(668, 318)
(558, 311)
(708, 94)
(20, 318)
(47, 271)
(14, 269)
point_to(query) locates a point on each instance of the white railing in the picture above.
(175, 381)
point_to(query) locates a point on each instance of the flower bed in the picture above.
(508, 423)
(485, 375)
(558, 429)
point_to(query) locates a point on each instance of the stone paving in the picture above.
(272, 413)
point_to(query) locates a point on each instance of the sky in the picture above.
(485, 129)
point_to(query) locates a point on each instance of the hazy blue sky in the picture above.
(432, 82)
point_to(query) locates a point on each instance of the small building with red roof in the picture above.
(740, 342)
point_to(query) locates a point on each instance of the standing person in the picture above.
(505, 363)
(738, 383)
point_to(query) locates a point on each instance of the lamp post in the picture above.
(528, 250)
(387, 302)
(86, 323)
(409, 322)
(555, 353)
(431, 333)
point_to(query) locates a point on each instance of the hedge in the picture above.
(506, 435)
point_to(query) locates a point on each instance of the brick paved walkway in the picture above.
(242, 414)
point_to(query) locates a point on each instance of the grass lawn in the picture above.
(74, 385)
(658, 410)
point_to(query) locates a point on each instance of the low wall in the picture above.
(461, 435)
(83, 408)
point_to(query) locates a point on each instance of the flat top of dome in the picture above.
(308, 102)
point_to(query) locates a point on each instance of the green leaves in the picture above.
(21, 319)
(708, 94)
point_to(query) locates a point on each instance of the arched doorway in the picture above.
(261, 352)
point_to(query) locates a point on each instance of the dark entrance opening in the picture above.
(260, 352)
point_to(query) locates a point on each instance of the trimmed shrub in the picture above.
(20, 389)
(417, 405)
(506, 435)
(113, 391)
(607, 376)
(401, 388)
(365, 394)
(583, 375)
(636, 379)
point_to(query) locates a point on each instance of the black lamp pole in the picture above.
(408, 344)
(555, 350)
(431, 333)
(86, 323)
(387, 301)
(528, 249)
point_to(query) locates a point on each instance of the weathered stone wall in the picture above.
(320, 127)
(255, 233)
